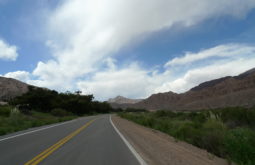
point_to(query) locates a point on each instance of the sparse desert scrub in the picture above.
(228, 132)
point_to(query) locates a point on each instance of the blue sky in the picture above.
(133, 48)
(167, 44)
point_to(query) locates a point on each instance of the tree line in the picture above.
(50, 101)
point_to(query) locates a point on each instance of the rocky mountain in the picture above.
(123, 100)
(10, 88)
(223, 92)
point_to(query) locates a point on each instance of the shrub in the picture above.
(60, 112)
(187, 132)
(5, 111)
(16, 119)
(209, 130)
(237, 116)
(163, 125)
(240, 146)
(5, 130)
(200, 117)
(163, 113)
(212, 136)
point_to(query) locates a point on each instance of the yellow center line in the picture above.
(36, 160)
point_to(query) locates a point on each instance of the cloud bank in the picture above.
(229, 50)
(85, 35)
(136, 82)
(19, 75)
(7, 52)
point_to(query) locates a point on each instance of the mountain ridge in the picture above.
(228, 91)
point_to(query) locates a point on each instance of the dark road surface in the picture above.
(96, 144)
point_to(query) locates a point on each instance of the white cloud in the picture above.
(19, 75)
(199, 75)
(135, 82)
(8, 52)
(84, 33)
(111, 83)
(229, 50)
(131, 81)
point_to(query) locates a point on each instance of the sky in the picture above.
(131, 48)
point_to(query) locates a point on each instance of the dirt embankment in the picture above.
(157, 148)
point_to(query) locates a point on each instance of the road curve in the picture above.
(88, 140)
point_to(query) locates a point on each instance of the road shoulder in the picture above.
(157, 148)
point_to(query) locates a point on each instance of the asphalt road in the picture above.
(79, 142)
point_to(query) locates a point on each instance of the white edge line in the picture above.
(137, 156)
(55, 125)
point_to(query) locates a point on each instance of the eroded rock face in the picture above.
(10, 88)
(223, 92)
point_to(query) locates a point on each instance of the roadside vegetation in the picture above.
(48, 101)
(228, 133)
(41, 106)
(12, 120)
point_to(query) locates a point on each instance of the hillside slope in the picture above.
(10, 88)
(223, 92)
(123, 100)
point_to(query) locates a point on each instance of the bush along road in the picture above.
(228, 133)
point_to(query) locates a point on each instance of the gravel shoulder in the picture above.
(157, 148)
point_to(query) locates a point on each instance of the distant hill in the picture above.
(224, 92)
(123, 100)
(10, 88)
